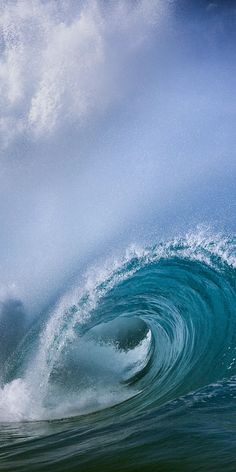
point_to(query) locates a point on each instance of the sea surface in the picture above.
(133, 369)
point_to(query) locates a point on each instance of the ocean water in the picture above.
(135, 369)
(117, 236)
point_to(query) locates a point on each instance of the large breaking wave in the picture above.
(117, 124)
(147, 328)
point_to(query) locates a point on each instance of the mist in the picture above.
(117, 122)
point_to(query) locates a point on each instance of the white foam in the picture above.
(61, 63)
(16, 402)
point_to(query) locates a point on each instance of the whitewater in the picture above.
(117, 242)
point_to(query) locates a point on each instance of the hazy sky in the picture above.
(117, 119)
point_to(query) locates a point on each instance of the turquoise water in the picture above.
(133, 369)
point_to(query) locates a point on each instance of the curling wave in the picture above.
(153, 327)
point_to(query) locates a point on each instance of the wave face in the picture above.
(144, 341)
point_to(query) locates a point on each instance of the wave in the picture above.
(152, 327)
